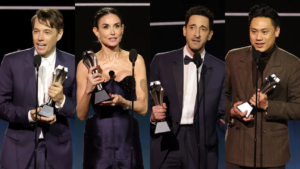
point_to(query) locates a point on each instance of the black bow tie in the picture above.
(187, 60)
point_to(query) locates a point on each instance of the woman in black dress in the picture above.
(107, 132)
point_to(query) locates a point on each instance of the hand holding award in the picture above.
(60, 75)
(90, 60)
(268, 86)
(157, 93)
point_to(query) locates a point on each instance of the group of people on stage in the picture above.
(192, 113)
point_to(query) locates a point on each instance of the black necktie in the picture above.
(187, 60)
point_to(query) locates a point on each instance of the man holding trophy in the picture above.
(56, 98)
(278, 98)
(178, 116)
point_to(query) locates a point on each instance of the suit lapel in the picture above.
(245, 74)
(273, 66)
(178, 74)
(30, 72)
(59, 59)
(206, 72)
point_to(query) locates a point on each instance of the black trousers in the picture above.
(185, 154)
(233, 166)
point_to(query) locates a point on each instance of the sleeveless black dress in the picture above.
(107, 133)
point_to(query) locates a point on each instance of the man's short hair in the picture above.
(264, 11)
(200, 10)
(54, 17)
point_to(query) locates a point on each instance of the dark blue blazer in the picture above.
(18, 96)
(168, 69)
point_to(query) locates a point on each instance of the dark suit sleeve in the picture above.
(221, 108)
(290, 109)
(228, 91)
(8, 111)
(154, 76)
(68, 109)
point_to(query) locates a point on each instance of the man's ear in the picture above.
(184, 31)
(59, 35)
(277, 31)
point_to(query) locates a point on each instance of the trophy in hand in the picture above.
(90, 60)
(157, 93)
(60, 75)
(268, 86)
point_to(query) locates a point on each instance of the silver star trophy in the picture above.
(268, 86)
(157, 93)
(90, 60)
(60, 75)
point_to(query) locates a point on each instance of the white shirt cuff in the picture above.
(62, 104)
(154, 123)
(29, 117)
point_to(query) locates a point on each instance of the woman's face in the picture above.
(110, 30)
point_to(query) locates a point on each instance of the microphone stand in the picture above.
(132, 97)
(198, 121)
(255, 123)
(36, 111)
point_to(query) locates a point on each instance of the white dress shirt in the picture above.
(189, 88)
(44, 81)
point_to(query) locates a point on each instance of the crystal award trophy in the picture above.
(157, 93)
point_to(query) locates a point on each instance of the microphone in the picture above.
(111, 73)
(132, 56)
(256, 56)
(197, 59)
(37, 61)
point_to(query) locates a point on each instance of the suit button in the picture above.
(264, 131)
(237, 128)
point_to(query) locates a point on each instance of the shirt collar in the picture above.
(50, 59)
(186, 53)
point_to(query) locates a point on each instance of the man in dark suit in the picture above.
(177, 74)
(274, 109)
(18, 100)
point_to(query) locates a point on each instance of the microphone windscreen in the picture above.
(256, 55)
(111, 73)
(133, 55)
(37, 60)
(197, 59)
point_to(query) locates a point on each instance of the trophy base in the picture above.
(101, 96)
(245, 106)
(47, 111)
(162, 127)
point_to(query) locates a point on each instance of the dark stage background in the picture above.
(136, 35)
(167, 38)
(237, 35)
(17, 35)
